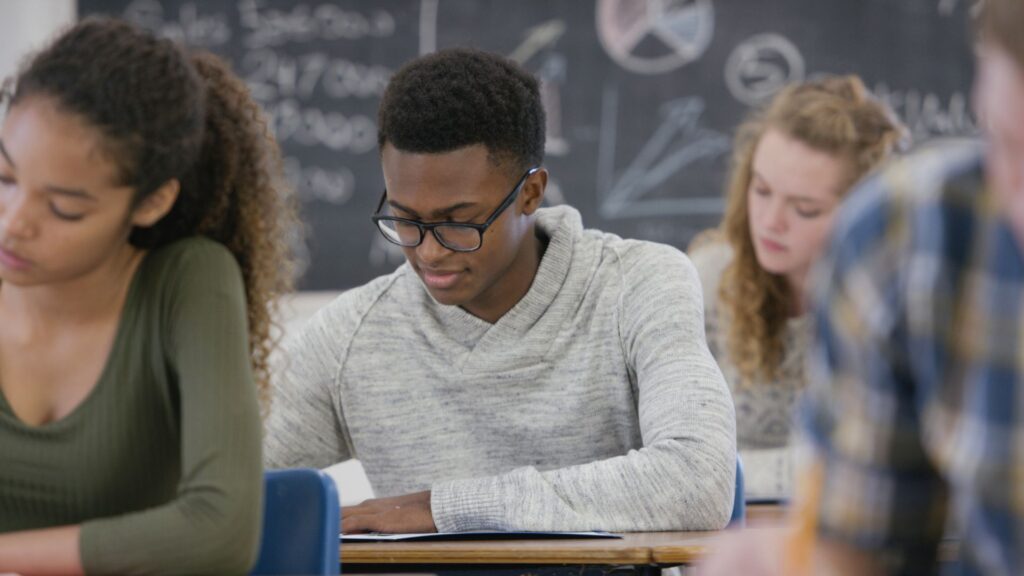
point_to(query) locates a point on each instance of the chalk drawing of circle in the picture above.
(761, 66)
(655, 36)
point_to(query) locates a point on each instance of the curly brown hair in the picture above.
(169, 114)
(836, 115)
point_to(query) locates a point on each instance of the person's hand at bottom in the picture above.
(395, 515)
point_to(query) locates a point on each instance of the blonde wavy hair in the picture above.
(836, 115)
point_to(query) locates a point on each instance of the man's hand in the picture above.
(400, 514)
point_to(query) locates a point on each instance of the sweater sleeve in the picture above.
(305, 426)
(213, 524)
(710, 259)
(768, 472)
(683, 477)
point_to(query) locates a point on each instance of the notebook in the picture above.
(472, 535)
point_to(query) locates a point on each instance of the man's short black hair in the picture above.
(460, 97)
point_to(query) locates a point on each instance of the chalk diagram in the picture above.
(655, 36)
(760, 66)
(678, 142)
(551, 68)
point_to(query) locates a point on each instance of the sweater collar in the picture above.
(562, 226)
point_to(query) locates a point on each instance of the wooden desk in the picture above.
(766, 514)
(648, 551)
(633, 548)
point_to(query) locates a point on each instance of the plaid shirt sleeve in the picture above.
(861, 416)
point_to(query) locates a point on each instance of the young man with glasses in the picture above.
(518, 372)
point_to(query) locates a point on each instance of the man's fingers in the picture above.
(347, 511)
(358, 524)
(371, 506)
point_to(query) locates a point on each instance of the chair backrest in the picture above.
(739, 504)
(300, 524)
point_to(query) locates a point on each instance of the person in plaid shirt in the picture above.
(914, 416)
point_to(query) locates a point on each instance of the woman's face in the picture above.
(793, 193)
(63, 212)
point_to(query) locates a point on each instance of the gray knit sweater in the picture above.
(764, 409)
(594, 403)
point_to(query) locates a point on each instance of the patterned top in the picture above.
(764, 410)
(916, 401)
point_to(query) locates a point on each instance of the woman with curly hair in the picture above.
(141, 218)
(793, 161)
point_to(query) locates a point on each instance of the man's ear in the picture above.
(533, 191)
(156, 205)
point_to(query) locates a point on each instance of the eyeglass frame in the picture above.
(432, 226)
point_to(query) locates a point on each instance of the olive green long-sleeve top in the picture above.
(161, 463)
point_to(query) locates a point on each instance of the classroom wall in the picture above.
(26, 25)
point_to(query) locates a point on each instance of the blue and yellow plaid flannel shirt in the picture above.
(915, 404)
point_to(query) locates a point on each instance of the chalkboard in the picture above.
(642, 96)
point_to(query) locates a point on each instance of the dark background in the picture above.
(642, 96)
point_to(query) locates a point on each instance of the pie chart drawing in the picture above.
(655, 36)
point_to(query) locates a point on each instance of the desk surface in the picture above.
(634, 548)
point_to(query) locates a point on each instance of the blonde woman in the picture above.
(793, 162)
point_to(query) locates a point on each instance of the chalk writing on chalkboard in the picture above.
(642, 96)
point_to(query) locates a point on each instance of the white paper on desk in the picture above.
(472, 535)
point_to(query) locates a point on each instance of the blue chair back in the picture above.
(739, 504)
(300, 524)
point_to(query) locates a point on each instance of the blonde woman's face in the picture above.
(793, 194)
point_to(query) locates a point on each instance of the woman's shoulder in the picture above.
(190, 255)
(711, 254)
(189, 265)
(192, 249)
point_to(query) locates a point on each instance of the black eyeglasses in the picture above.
(456, 236)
